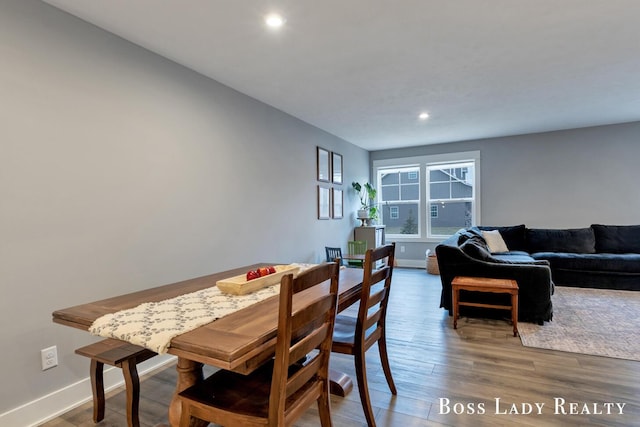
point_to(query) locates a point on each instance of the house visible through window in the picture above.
(451, 196)
(399, 196)
(428, 197)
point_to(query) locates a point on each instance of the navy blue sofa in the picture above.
(466, 254)
(599, 256)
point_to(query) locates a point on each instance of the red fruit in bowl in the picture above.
(253, 274)
(272, 269)
(264, 271)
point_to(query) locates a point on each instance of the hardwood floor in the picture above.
(471, 367)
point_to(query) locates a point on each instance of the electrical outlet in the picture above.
(402, 249)
(49, 357)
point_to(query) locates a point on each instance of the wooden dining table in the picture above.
(354, 257)
(239, 342)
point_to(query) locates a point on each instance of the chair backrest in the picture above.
(376, 285)
(304, 324)
(333, 254)
(357, 247)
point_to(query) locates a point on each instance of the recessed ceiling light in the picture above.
(274, 20)
(423, 116)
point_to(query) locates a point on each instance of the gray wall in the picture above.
(564, 179)
(120, 170)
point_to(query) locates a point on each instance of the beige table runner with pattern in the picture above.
(153, 324)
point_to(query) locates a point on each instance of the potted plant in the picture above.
(366, 193)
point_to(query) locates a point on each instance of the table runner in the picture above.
(153, 324)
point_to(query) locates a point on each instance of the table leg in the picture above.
(456, 295)
(340, 384)
(189, 373)
(514, 313)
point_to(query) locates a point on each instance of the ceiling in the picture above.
(364, 69)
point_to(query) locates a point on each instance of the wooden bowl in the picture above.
(239, 285)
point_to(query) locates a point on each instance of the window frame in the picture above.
(424, 227)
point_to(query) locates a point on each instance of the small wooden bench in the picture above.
(481, 284)
(123, 355)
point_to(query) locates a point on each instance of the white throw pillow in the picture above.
(495, 241)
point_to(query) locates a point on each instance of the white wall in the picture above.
(120, 170)
(564, 179)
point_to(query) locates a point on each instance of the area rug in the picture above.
(589, 321)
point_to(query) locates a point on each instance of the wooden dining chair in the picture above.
(280, 391)
(355, 336)
(356, 247)
(334, 254)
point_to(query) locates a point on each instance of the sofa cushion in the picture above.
(517, 257)
(617, 239)
(495, 242)
(617, 263)
(514, 236)
(517, 253)
(576, 240)
(478, 251)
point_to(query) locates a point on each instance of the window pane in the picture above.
(461, 190)
(405, 222)
(440, 191)
(451, 217)
(391, 192)
(409, 177)
(459, 173)
(410, 191)
(439, 175)
(389, 178)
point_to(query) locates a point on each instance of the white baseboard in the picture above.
(412, 263)
(60, 401)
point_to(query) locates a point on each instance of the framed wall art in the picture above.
(336, 168)
(324, 202)
(323, 165)
(337, 202)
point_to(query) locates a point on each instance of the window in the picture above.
(451, 195)
(400, 186)
(428, 197)
(394, 212)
